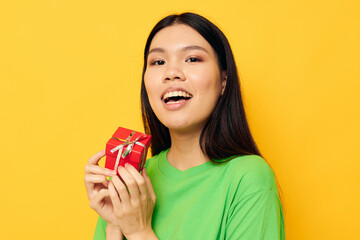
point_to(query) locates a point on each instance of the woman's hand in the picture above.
(97, 188)
(133, 198)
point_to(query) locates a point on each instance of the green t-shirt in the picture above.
(234, 200)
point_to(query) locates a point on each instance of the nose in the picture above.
(173, 72)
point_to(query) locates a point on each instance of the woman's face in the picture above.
(182, 78)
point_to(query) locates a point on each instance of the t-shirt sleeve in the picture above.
(257, 216)
(100, 230)
(255, 212)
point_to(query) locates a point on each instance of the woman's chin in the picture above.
(184, 127)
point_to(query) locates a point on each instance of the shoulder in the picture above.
(251, 174)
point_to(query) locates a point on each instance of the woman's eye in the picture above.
(193, 59)
(158, 62)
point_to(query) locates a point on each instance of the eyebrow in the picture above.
(191, 47)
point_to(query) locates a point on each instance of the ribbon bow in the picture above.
(130, 145)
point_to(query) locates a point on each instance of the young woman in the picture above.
(206, 179)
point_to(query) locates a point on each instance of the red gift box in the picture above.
(127, 146)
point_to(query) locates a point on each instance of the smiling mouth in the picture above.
(176, 97)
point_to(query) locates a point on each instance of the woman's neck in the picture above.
(185, 151)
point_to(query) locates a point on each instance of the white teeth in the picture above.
(176, 94)
(173, 102)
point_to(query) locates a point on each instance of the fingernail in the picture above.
(127, 165)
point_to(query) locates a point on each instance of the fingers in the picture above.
(138, 178)
(148, 184)
(95, 169)
(95, 176)
(91, 179)
(96, 158)
(130, 181)
(134, 189)
(121, 189)
(97, 200)
(115, 197)
(92, 184)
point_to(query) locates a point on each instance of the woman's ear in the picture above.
(223, 81)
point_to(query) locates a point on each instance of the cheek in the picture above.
(208, 82)
(148, 83)
(151, 88)
(151, 79)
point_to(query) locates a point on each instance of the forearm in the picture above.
(113, 233)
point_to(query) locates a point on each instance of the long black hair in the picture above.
(226, 133)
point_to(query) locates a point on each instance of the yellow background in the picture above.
(70, 75)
